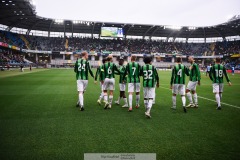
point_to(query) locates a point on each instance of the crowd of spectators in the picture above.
(122, 45)
(132, 45)
(225, 47)
(135, 46)
(7, 57)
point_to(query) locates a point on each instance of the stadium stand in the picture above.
(136, 46)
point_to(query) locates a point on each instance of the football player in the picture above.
(82, 67)
(133, 71)
(122, 85)
(216, 75)
(150, 79)
(109, 69)
(194, 80)
(177, 83)
(101, 80)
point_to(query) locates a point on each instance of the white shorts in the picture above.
(178, 89)
(109, 84)
(192, 85)
(122, 86)
(82, 85)
(217, 87)
(148, 92)
(134, 87)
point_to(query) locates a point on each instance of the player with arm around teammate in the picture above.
(109, 69)
(82, 67)
(177, 83)
(216, 75)
(194, 80)
(150, 79)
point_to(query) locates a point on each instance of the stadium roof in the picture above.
(21, 14)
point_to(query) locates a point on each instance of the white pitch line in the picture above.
(221, 102)
(208, 99)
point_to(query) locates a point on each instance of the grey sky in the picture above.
(157, 12)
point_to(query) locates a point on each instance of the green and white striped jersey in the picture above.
(150, 75)
(82, 67)
(133, 70)
(178, 74)
(122, 70)
(216, 73)
(194, 73)
(109, 70)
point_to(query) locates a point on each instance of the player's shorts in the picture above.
(178, 89)
(82, 85)
(134, 87)
(122, 86)
(192, 85)
(217, 87)
(109, 84)
(148, 92)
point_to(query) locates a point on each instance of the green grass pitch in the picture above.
(39, 120)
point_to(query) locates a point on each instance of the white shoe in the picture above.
(195, 105)
(116, 102)
(190, 105)
(147, 115)
(125, 106)
(109, 106)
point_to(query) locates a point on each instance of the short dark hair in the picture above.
(218, 59)
(103, 60)
(179, 59)
(147, 59)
